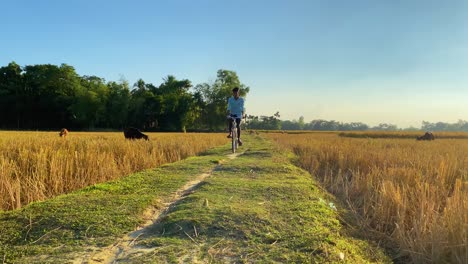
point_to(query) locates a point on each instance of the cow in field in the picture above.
(63, 132)
(427, 136)
(134, 133)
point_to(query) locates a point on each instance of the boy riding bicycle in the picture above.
(236, 109)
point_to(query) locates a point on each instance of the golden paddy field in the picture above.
(35, 166)
(413, 192)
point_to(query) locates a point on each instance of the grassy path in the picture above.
(127, 246)
(254, 208)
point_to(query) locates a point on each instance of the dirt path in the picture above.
(126, 245)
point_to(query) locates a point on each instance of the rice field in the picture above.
(35, 166)
(402, 134)
(414, 193)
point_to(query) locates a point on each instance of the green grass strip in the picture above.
(257, 208)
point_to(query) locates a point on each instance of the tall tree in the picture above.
(139, 112)
(216, 96)
(177, 103)
(118, 104)
(48, 92)
(11, 95)
(89, 108)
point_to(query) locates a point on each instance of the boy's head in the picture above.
(235, 92)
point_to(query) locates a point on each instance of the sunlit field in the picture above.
(35, 166)
(414, 192)
(398, 134)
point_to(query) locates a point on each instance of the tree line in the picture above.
(274, 122)
(48, 97)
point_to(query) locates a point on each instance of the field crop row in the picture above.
(402, 134)
(35, 166)
(413, 192)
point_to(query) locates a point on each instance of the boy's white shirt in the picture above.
(236, 107)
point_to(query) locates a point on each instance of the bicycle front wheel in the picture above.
(234, 140)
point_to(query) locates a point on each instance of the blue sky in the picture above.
(372, 61)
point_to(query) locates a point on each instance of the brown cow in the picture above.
(63, 132)
(134, 133)
(427, 136)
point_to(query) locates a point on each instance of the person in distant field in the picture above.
(236, 109)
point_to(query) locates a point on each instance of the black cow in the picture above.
(427, 136)
(134, 133)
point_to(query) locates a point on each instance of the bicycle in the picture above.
(235, 142)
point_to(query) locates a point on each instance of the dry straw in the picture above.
(38, 165)
(414, 192)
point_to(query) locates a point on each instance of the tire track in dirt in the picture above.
(126, 246)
